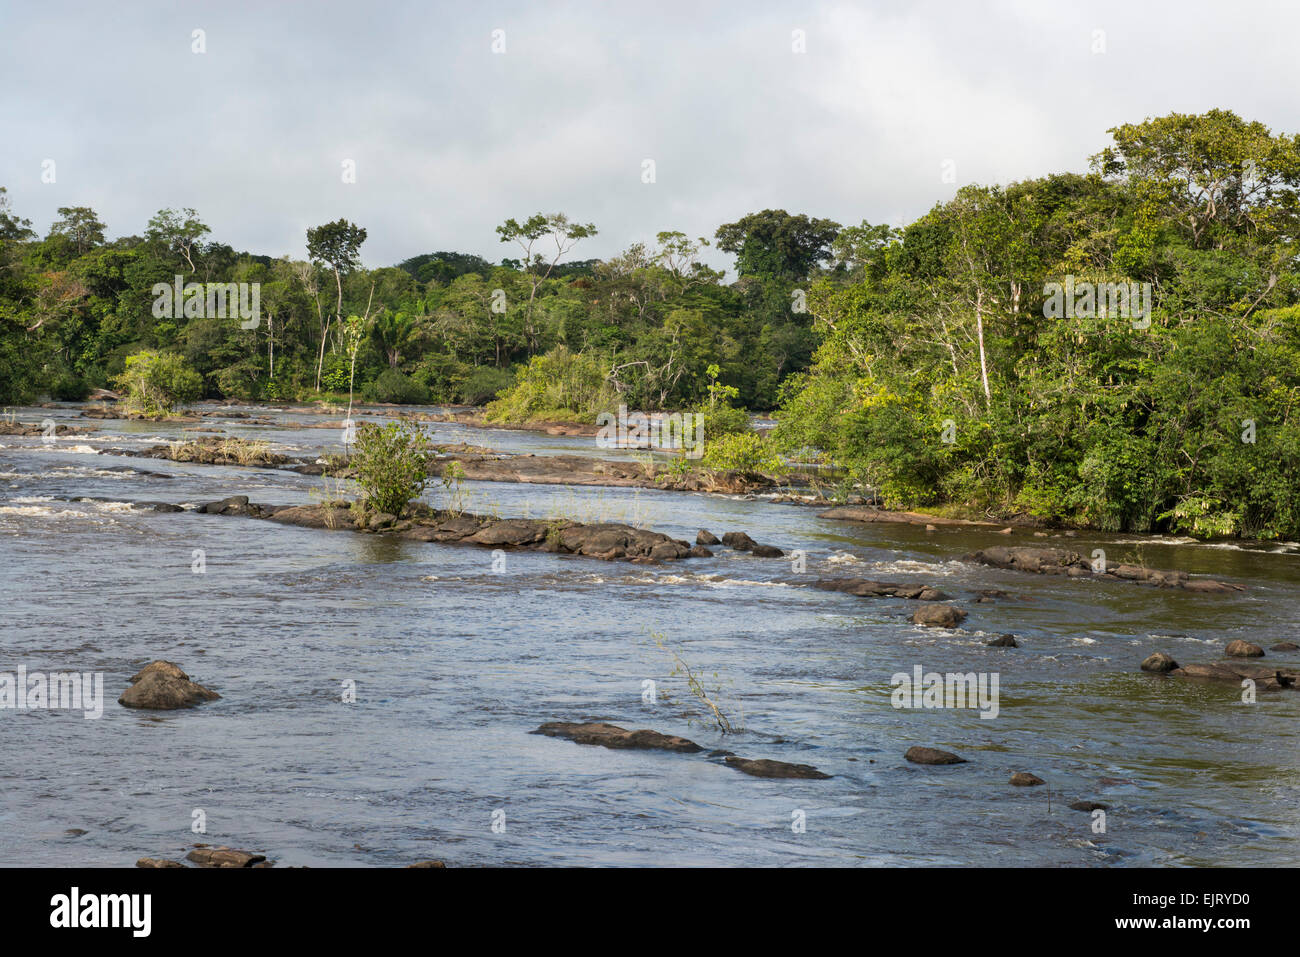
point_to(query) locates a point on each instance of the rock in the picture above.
(611, 736)
(766, 551)
(931, 528)
(227, 506)
(426, 864)
(919, 755)
(157, 862)
(1089, 806)
(1159, 663)
(931, 594)
(512, 531)
(1003, 641)
(1004, 531)
(703, 537)
(224, 857)
(699, 551)
(1023, 779)
(1243, 649)
(934, 615)
(765, 768)
(739, 540)
(167, 507)
(1266, 678)
(162, 686)
(1284, 646)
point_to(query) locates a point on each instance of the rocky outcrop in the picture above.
(163, 686)
(868, 513)
(866, 588)
(612, 736)
(920, 755)
(35, 428)
(765, 768)
(1061, 561)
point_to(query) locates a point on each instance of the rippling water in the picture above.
(454, 664)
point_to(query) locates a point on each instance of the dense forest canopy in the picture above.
(934, 363)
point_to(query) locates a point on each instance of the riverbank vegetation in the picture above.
(1117, 348)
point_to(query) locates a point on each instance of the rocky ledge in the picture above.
(1061, 561)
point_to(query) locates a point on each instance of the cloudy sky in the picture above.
(449, 137)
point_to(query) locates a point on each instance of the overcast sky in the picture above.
(449, 138)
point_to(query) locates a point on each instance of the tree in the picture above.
(526, 235)
(80, 225)
(11, 227)
(337, 245)
(776, 244)
(180, 232)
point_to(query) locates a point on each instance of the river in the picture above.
(455, 662)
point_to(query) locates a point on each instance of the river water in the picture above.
(454, 662)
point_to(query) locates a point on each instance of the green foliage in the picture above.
(154, 383)
(559, 385)
(391, 464)
(742, 451)
(393, 386)
(483, 385)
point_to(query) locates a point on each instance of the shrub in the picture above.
(393, 386)
(391, 464)
(742, 452)
(154, 382)
(558, 385)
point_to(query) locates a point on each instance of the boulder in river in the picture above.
(739, 540)
(1159, 663)
(157, 862)
(1003, 641)
(224, 857)
(163, 686)
(438, 864)
(705, 537)
(920, 755)
(1023, 779)
(766, 768)
(936, 615)
(1284, 646)
(1234, 673)
(1089, 806)
(766, 551)
(1243, 649)
(612, 736)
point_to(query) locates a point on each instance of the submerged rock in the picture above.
(427, 864)
(612, 736)
(1003, 641)
(935, 615)
(920, 755)
(157, 862)
(766, 768)
(1284, 646)
(162, 686)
